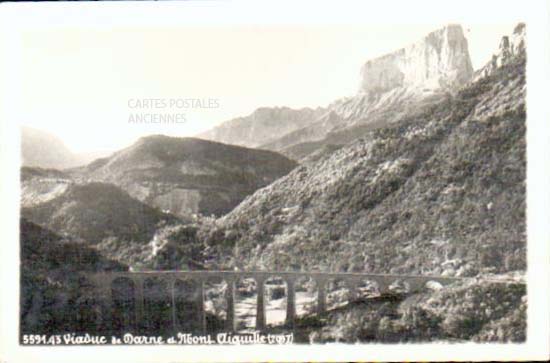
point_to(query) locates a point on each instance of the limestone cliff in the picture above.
(439, 60)
(437, 63)
(391, 86)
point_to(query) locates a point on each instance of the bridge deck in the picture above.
(103, 282)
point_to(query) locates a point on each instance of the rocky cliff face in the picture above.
(437, 63)
(440, 60)
(391, 86)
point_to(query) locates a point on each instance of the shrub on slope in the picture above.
(441, 192)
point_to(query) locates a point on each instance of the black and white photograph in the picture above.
(201, 185)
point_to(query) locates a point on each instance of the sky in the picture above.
(88, 86)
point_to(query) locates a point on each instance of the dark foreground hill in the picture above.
(52, 290)
(102, 215)
(95, 211)
(186, 176)
(441, 192)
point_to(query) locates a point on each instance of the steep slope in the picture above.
(300, 144)
(186, 176)
(441, 191)
(262, 126)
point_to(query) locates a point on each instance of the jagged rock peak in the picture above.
(517, 45)
(439, 60)
(509, 48)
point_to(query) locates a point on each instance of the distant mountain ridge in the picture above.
(390, 86)
(263, 126)
(44, 150)
(119, 203)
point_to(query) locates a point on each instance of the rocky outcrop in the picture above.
(437, 63)
(440, 60)
(397, 81)
(391, 86)
(509, 48)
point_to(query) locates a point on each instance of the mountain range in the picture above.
(431, 195)
(410, 104)
(391, 86)
(421, 172)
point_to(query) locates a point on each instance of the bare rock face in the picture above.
(509, 48)
(440, 60)
(391, 86)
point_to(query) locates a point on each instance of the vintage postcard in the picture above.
(275, 181)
